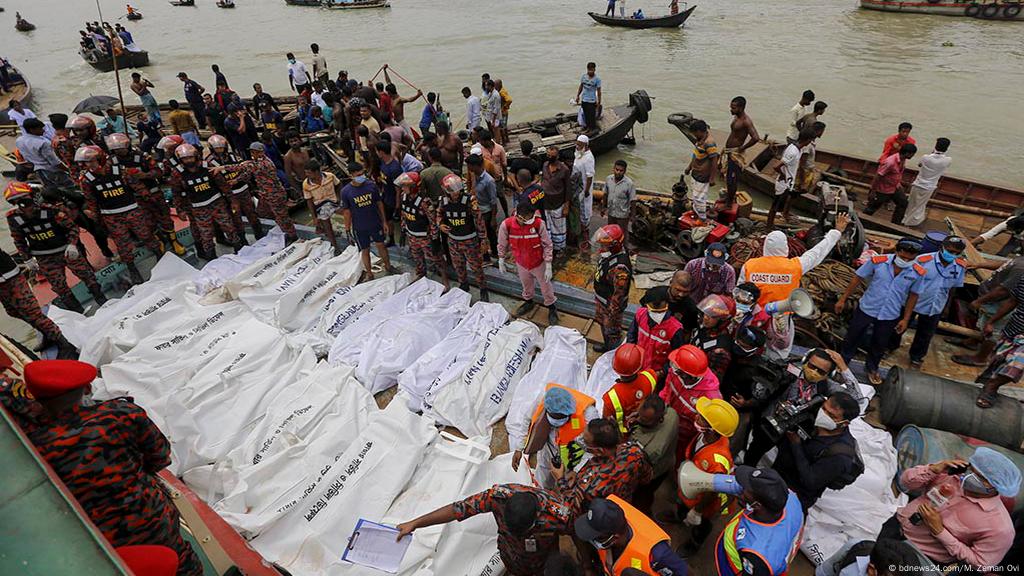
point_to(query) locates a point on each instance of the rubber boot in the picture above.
(172, 242)
(485, 296)
(464, 286)
(71, 304)
(98, 295)
(134, 274)
(552, 316)
(525, 308)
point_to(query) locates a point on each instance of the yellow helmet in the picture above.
(721, 415)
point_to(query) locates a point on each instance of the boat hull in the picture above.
(987, 11)
(673, 21)
(307, 3)
(357, 5)
(124, 60)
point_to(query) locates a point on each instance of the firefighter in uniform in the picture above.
(47, 238)
(242, 203)
(168, 166)
(713, 335)
(557, 423)
(626, 539)
(419, 227)
(199, 191)
(142, 166)
(19, 302)
(655, 330)
(611, 284)
(64, 146)
(263, 173)
(110, 195)
(83, 130)
(633, 385)
(461, 221)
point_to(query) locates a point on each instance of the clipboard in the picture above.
(374, 545)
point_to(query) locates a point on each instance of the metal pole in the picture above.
(117, 74)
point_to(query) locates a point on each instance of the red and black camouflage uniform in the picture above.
(242, 203)
(19, 301)
(108, 455)
(269, 190)
(602, 476)
(112, 195)
(553, 519)
(44, 232)
(200, 193)
(64, 147)
(611, 292)
(144, 167)
(464, 225)
(419, 222)
(167, 167)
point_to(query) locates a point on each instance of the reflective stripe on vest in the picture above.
(112, 195)
(459, 217)
(416, 223)
(9, 274)
(42, 233)
(237, 185)
(620, 412)
(656, 343)
(568, 432)
(637, 552)
(775, 543)
(776, 276)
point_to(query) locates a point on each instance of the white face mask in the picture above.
(901, 263)
(823, 420)
(528, 222)
(557, 422)
(657, 317)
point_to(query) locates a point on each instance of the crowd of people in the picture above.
(100, 41)
(705, 378)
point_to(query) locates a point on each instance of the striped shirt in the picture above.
(1015, 327)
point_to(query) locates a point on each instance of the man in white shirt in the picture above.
(18, 113)
(788, 169)
(584, 159)
(931, 167)
(798, 111)
(298, 75)
(473, 109)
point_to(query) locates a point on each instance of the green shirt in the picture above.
(659, 443)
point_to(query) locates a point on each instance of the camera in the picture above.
(790, 417)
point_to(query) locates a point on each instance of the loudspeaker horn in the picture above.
(799, 303)
(693, 480)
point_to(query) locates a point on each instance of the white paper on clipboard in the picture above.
(374, 545)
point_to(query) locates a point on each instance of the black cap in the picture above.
(768, 487)
(909, 244)
(355, 166)
(603, 519)
(655, 294)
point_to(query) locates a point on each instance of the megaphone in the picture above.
(693, 480)
(799, 303)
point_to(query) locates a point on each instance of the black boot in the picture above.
(552, 316)
(464, 286)
(98, 295)
(485, 296)
(134, 274)
(525, 308)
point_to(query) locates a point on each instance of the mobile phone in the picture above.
(959, 469)
(916, 519)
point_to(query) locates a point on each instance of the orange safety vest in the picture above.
(776, 276)
(714, 458)
(569, 431)
(624, 397)
(646, 534)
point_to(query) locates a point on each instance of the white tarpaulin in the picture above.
(346, 305)
(262, 272)
(562, 360)
(480, 396)
(222, 268)
(263, 299)
(300, 306)
(449, 357)
(601, 379)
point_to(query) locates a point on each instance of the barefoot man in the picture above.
(742, 135)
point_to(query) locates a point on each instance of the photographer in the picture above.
(828, 459)
(958, 517)
(821, 373)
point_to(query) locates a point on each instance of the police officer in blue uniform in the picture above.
(895, 282)
(945, 271)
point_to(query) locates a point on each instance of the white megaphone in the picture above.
(694, 481)
(799, 303)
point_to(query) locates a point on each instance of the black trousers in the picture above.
(590, 114)
(899, 198)
(925, 331)
(881, 336)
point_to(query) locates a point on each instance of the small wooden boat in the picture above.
(21, 90)
(671, 21)
(182, 2)
(225, 4)
(997, 10)
(134, 15)
(356, 4)
(104, 63)
(316, 3)
(974, 205)
(22, 25)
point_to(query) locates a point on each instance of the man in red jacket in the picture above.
(528, 238)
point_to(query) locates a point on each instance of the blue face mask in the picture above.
(359, 179)
(947, 256)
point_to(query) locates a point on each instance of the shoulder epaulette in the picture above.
(920, 269)
(879, 259)
(926, 258)
(961, 262)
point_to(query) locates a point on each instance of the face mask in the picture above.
(971, 483)
(557, 422)
(744, 308)
(359, 179)
(602, 545)
(741, 351)
(686, 380)
(657, 317)
(702, 429)
(901, 263)
(291, 61)
(527, 222)
(823, 420)
(948, 256)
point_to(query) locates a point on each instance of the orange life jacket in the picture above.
(714, 458)
(776, 276)
(637, 554)
(569, 431)
(624, 397)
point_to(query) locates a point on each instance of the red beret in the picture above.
(149, 560)
(51, 378)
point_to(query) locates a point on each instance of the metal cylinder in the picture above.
(916, 446)
(912, 397)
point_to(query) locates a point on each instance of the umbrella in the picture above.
(96, 104)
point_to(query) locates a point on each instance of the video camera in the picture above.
(790, 417)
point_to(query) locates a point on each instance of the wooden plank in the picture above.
(972, 254)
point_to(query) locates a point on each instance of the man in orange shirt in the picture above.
(631, 387)
(896, 141)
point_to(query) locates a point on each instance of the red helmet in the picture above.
(118, 141)
(17, 191)
(88, 154)
(186, 151)
(717, 307)
(217, 141)
(629, 358)
(609, 236)
(81, 123)
(410, 179)
(689, 360)
(452, 183)
(169, 143)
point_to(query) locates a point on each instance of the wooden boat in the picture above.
(974, 205)
(561, 130)
(104, 63)
(183, 3)
(21, 90)
(316, 3)
(356, 4)
(22, 25)
(225, 4)
(134, 15)
(997, 10)
(671, 21)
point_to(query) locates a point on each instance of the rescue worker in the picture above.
(611, 284)
(83, 131)
(764, 536)
(419, 227)
(530, 521)
(64, 146)
(714, 336)
(461, 221)
(946, 270)
(111, 197)
(895, 283)
(263, 173)
(556, 425)
(625, 538)
(655, 330)
(748, 311)
(19, 302)
(241, 200)
(47, 237)
(108, 455)
(365, 220)
(709, 451)
(165, 153)
(146, 169)
(199, 192)
(526, 236)
(688, 379)
(633, 385)
(777, 275)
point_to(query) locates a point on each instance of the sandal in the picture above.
(875, 378)
(986, 399)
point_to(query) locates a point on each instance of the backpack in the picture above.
(853, 472)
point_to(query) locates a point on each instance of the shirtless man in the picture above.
(742, 135)
(398, 106)
(452, 151)
(295, 160)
